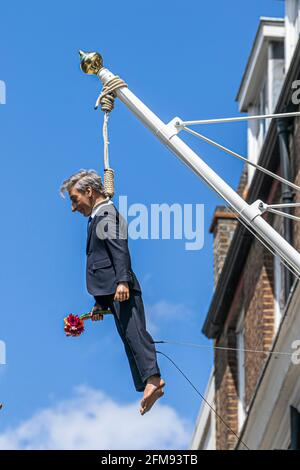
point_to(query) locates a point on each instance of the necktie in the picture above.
(89, 223)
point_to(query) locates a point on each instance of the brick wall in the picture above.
(223, 227)
(258, 296)
(226, 386)
(226, 392)
(254, 300)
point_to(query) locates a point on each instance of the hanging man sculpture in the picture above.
(111, 281)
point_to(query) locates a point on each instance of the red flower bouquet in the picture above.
(73, 324)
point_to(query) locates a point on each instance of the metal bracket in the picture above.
(174, 126)
(256, 209)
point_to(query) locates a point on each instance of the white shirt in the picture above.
(106, 202)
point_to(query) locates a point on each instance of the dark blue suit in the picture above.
(108, 263)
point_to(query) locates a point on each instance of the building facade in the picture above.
(254, 312)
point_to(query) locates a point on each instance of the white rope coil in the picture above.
(109, 187)
(108, 94)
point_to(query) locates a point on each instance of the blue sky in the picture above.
(181, 59)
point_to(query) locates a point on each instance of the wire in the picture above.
(288, 183)
(269, 247)
(239, 216)
(290, 204)
(192, 345)
(240, 118)
(273, 249)
(283, 214)
(240, 157)
(204, 399)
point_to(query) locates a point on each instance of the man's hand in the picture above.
(122, 292)
(98, 316)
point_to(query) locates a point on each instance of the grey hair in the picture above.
(81, 180)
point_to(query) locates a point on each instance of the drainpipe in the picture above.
(287, 196)
(295, 428)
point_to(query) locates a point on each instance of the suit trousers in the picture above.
(130, 321)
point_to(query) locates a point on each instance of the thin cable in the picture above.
(241, 118)
(204, 399)
(290, 204)
(240, 216)
(240, 157)
(273, 250)
(283, 214)
(200, 346)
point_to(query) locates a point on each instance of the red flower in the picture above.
(73, 325)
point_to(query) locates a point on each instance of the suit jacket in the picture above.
(108, 257)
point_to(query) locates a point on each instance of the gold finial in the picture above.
(90, 62)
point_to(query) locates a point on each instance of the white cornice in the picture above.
(270, 29)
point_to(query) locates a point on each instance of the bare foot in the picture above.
(152, 399)
(152, 392)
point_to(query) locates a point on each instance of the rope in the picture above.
(204, 399)
(107, 99)
(105, 139)
(108, 94)
(108, 172)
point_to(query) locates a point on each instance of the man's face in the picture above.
(81, 202)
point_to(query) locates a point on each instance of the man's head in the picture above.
(85, 188)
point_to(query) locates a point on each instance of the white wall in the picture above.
(204, 437)
(292, 28)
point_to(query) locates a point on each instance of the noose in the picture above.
(106, 99)
(109, 174)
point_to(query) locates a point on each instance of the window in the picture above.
(263, 108)
(257, 128)
(295, 428)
